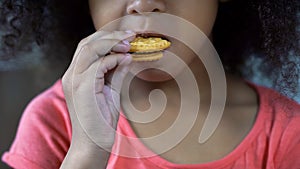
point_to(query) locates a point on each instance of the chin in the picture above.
(154, 75)
(167, 68)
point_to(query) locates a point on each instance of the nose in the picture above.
(140, 6)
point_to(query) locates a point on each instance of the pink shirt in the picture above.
(44, 134)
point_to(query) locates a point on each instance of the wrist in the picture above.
(88, 157)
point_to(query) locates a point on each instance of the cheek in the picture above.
(103, 13)
(201, 13)
(206, 22)
(100, 19)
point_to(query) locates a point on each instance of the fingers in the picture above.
(89, 51)
(108, 63)
(101, 34)
(121, 47)
(84, 82)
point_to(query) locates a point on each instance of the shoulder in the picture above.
(49, 109)
(282, 106)
(281, 125)
(53, 96)
(44, 132)
(49, 106)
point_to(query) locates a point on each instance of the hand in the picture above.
(92, 100)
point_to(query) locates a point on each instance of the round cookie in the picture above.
(148, 49)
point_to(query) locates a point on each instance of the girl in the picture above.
(259, 128)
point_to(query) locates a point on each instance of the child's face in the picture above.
(201, 13)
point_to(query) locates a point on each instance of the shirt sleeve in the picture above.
(43, 135)
(285, 135)
(289, 144)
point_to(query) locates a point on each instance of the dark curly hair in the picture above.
(264, 28)
(50, 25)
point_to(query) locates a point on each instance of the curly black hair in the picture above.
(264, 28)
(51, 25)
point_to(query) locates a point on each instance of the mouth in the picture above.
(148, 46)
(151, 34)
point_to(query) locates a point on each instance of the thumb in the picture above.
(114, 81)
(115, 78)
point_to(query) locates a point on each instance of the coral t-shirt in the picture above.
(44, 135)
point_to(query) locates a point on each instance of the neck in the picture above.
(140, 90)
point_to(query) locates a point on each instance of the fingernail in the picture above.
(129, 31)
(125, 42)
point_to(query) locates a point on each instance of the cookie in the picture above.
(146, 56)
(148, 49)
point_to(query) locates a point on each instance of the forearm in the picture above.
(83, 159)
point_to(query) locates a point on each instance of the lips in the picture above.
(151, 34)
(148, 46)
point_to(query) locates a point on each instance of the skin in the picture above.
(103, 12)
(241, 98)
